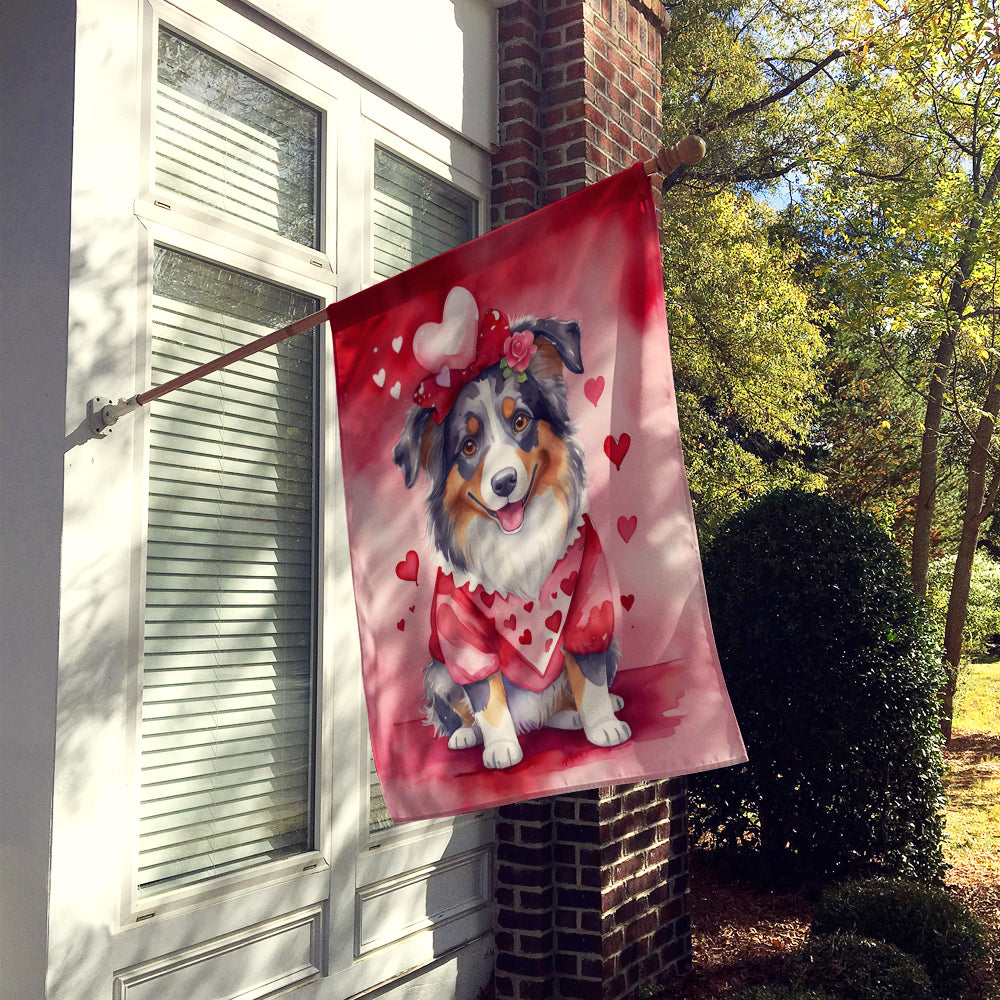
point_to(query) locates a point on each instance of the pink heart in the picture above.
(616, 450)
(627, 526)
(627, 601)
(593, 388)
(407, 569)
(452, 342)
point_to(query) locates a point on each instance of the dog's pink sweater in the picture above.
(475, 634)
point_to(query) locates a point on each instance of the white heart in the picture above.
(397, 344)
(379, 378)
(443, 377)
(395, 390)
(452, 342)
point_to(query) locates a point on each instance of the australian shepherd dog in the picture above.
(522, 630)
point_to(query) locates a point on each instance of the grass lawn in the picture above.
(973, 783)
(973, 810)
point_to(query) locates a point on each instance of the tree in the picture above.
(746, 351)
(746, 355)
(913, 184)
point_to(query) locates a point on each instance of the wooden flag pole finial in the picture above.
(688, 151)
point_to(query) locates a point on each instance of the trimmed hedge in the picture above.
(924, 921)
(857, 968)
(833, 672)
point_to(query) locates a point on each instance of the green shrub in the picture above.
(926, 922)
(856, 968)
(833, 673)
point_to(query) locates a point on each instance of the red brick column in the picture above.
(591, 889)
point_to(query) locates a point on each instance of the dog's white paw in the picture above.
(464, 738)
(609, 733)
(502, 753)
(566, 719)
(617, 702)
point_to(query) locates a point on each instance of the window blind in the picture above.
(228, 654)
(416, 216)
(228, 140)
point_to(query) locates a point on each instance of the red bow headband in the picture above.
(474, 352)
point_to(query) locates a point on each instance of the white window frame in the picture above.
(350, 873)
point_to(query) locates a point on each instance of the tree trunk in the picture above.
(920, 553)
(980, 499)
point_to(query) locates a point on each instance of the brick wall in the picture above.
(591, 889)
(579, 96)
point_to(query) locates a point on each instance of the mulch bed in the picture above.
(742, 934)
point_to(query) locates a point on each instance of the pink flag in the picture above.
(526, 571)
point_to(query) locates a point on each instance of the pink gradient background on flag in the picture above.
(593, 258)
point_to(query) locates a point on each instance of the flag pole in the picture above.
(103, 413)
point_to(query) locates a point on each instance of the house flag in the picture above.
(526, 573)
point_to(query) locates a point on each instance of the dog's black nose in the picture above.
(504, 481)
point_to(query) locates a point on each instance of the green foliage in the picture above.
(746, 355)
(857, 968)
(926, 922)
(833, 673)
(983, 612)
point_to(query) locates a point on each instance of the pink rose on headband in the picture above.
(518, 349)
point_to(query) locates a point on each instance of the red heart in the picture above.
(401, 624)
(548, 644)
(593, 388)
(528, 605)
(488, 599)
(627, 601)
(407, 569)
(616, 450)
(569, 584)
(413, 608)
(627, 526)
(510, 623)
(554, 620)
(525, 637)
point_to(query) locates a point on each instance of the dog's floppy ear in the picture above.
(408, 453)
(565, 337)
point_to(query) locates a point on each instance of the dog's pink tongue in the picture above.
(511, 516)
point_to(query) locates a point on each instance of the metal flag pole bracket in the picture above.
(103, 413)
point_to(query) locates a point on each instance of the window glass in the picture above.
(416, 215)
(228, 680)
(228, 140)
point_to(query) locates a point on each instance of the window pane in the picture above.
(228, 658)
(416, 217)
(228, 140)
